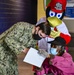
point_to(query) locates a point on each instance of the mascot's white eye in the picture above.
(52, 14)
(59, 15)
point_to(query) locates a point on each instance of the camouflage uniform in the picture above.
(12, 42)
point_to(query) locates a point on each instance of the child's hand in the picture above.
(43, 53)
(25, 50)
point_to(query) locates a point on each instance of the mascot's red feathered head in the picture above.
(56, 8)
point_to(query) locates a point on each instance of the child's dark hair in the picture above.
(45, 27)
(62, 51)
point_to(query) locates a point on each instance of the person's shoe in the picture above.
(34, 73)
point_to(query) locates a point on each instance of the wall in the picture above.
(41, 12)
(12, 11)
(70, 24)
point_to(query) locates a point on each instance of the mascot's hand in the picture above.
(54, 34)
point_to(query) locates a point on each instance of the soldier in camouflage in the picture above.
(13, 42)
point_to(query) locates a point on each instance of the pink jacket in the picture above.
(64, 64)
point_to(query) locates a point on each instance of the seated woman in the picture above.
(60, 62)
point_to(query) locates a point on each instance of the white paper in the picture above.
(34, 58)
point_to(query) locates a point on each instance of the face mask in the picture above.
(53, 51)
(36, 37)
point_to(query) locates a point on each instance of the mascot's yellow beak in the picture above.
(54, 21)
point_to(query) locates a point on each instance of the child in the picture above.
(60, 62)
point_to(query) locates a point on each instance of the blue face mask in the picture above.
(53, 51)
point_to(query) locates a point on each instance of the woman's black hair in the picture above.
(45, 27)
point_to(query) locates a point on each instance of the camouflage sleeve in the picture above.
(20, 37)
(8, 61)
